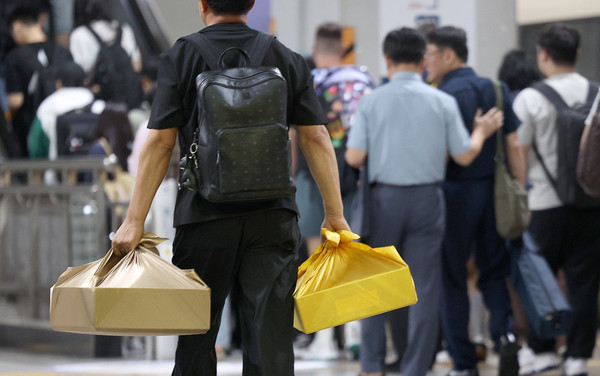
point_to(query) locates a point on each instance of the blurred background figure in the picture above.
(33, 66)
(339, 88)
(519, 71)
(107, 51)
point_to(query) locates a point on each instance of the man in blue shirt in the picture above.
(406, 127)
(469, 193)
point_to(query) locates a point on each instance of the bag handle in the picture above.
(247, 60)
(148, 243)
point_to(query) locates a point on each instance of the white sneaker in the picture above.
(575, 367)
(530, 363)
(323, 347)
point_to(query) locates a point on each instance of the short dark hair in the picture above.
(450, 37)
(25, 15)
(560, 42)
(518, 70)
(71, 74)
(86, 11)
(237, 7)
(329, 38)
(404, 45)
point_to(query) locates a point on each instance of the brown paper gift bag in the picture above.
(138, 294)
(345, 281)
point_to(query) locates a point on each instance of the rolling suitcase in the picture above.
(547, 309)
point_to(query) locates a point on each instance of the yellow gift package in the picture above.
(138, 294)
(345, 281)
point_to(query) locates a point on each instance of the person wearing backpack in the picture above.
(235, 217)
(564, 220)
(108, 52)
(339, 87)
(30, 70)
(70, 95)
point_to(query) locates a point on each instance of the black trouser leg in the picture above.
(266, 280)
(256, 255)
(548, 229)
(211, 249)
(582, 270)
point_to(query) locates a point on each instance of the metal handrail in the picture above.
(24, 181)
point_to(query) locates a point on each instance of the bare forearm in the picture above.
(153, 165)
(318, 150)
(477, 140)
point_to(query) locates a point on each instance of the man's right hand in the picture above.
(489, 123)
(128, 236)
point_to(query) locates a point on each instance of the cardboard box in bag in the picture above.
(138, 294)
(345, 281)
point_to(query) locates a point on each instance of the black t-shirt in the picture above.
(175, 106)
(21, 63)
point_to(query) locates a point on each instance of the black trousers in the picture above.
(569, 238)
(256, 255)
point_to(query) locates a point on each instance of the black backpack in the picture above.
(113, 77)
(43, 80)
(76, 132)
(570, 123)
(241, 148)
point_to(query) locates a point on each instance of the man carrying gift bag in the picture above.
(235, 243)
(405, 127)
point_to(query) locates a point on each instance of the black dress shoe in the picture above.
(509, 360)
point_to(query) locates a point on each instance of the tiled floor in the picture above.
(27, 364)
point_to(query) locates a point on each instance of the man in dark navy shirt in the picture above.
(469, 195)
(248, 247)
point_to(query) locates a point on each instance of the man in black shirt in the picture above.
(249, 247)
(34, 51)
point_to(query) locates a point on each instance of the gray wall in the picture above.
(496, 34)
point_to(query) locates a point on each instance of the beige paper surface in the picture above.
(139, 294)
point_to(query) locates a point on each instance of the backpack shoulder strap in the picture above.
(96, 36)
(261, 45)
(592, 92)
(552, 95)
(118, 35)
(205, 49)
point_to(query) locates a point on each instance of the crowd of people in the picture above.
(428, 141)
(44, 78)
(421, 148)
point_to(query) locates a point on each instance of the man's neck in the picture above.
(213, 19)
(404, 67)
(558, 69)
(35, 35)
(327, 61)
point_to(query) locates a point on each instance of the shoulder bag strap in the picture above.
(500, 132)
